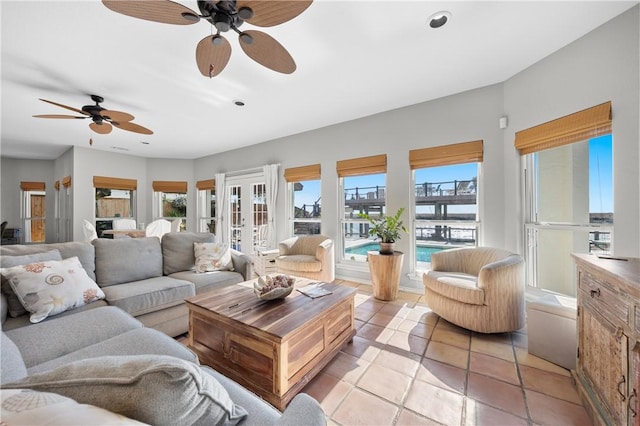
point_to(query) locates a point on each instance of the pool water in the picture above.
(423, 253)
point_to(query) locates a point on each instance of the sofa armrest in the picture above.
(284, 247)
(505, 273)
(242, 263)
(303, 410)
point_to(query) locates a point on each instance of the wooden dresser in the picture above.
(608, 368)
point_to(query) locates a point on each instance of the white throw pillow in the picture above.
(29, 407)
(52, 287)
(212, 257)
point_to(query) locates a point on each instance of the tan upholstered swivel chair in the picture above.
(481, 289)
(309, 256)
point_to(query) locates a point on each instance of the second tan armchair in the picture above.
(480, 289)
(309, 256)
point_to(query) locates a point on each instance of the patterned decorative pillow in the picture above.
(28, 407)
(212, 257)
(52, 287)
(15, 307)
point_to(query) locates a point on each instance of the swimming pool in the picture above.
(422, 252)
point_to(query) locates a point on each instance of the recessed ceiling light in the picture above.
(239, 103)
(438, 19)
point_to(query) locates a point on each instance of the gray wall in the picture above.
(602, 66)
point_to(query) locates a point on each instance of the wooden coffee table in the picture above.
(273, 348)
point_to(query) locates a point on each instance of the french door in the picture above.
(247, 212)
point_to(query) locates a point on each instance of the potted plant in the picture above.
(386, 228)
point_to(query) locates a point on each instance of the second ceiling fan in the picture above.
(213, 52)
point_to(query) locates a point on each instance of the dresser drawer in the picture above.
(614, 307)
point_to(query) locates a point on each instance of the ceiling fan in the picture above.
(102, 118)
(213, 52)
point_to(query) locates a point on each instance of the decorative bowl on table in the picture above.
(270, 287)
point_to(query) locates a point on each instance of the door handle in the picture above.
(620, 383)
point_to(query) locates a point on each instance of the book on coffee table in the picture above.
(314, 290)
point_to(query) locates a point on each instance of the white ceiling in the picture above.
(354, 58)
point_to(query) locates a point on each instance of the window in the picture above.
(33, 211)
(362, 182)
(303, 184)
(445, 180)
(206, 205)
(568, 174)
(170, 201)
(115, 198)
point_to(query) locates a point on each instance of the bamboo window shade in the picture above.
(32, 186)
(362, 166)
(208, 184)
(444, 155)
(66, 181)
(56, 185)
(115, 183)
(576, 127)
(297, 174)
(175, 187)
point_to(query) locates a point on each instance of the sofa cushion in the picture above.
(150, 295)
(51, 287)
(456, 285)
(139, 341)
(82, 249)
(13, 367)
(127, 259)
(209, 280)
(299, 262)
(15, 306)
(158, 390)
(63, 335)
(212, 257)
(177, 250)
(29, 407)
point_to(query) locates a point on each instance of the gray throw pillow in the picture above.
(15, 306)
(154, 389)
(177, 250)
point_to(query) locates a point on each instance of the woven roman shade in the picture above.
(297, 174)
(444, 155)
(576, 127)
(362, 166)
(32, 186)
(56, 185)
(208, 184)
(114, 183)
(176, 187)
(66, 181)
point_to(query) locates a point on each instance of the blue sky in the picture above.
(600, 177)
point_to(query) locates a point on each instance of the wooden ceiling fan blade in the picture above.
(116, 115)
(212, 58)
(266, 51)
(163, 11)
(103, 128)
(79, 111)
(269, 13)
(132, 127)
(57, 116)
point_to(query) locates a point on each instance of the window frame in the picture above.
(28, 189)
(206, 195)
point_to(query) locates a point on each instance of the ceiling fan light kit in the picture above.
(224, 15)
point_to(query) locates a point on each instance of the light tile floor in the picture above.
(407, 366)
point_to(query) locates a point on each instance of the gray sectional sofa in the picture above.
(143, 276)
(115, 357)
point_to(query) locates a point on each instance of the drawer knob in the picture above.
(595, 293)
